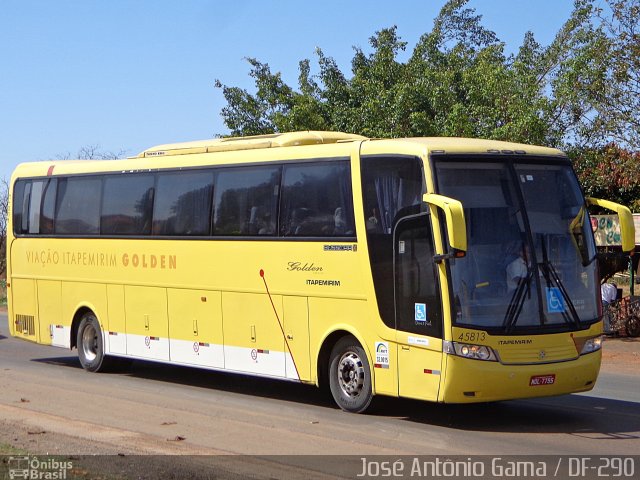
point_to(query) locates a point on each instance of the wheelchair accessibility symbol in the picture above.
(555, 302)
(421, 313)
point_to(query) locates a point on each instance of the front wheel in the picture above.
(350, 376)
(90, 344)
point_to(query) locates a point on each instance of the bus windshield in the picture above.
(530, 260)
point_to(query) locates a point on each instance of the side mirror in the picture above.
(456, 224)
(627, 230)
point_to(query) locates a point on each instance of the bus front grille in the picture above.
(549, 354)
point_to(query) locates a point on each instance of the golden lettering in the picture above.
(149, 261)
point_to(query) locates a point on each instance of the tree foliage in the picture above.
(581, 92)
(609, 172)
(618, 103)
(457, 81)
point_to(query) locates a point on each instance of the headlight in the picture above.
(592, 345)
(476, 352)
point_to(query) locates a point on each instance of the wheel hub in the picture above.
(90, 343)
(351, 374)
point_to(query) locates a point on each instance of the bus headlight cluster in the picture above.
(592, 345)
(466, 350)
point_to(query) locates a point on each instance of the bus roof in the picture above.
(335, 143)
(432, 144)
(459, 145)
(291, 139)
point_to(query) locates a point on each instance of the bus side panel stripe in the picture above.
(262, 361)
(197, 353)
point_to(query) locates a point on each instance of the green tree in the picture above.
(582, 89)
(597, 86)
(581, 92)
(457, 81)
(609, 172)
(616, 100)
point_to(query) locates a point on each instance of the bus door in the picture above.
(418, 309)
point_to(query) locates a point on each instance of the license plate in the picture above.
(538, 380)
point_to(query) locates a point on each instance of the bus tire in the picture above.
(90, 344)
(350, 376)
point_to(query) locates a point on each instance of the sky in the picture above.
(125, 75)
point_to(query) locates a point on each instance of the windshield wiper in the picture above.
(551, 276)
(523, 289)
(517, 301)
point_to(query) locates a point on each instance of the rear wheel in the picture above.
(350, 376)
(90, 344)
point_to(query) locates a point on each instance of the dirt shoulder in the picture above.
(94, 460)
(621, 355)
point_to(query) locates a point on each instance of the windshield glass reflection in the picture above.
(530, 254)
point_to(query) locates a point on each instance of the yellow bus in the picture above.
(442, 269)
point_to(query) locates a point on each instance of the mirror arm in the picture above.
(454, 253)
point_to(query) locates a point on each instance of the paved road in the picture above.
(150, 408)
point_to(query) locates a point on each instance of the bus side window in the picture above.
(48, 209)
(127, 204)
(20, 205)
(38, 208)
(246, 201)
(78, 205)
(34, 206)
(183, 203)
(317, 201)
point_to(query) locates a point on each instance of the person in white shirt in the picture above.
(517, 269)
(609, 294)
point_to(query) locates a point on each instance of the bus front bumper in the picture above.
(469, 381)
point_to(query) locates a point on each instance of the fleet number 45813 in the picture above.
(472, 337)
